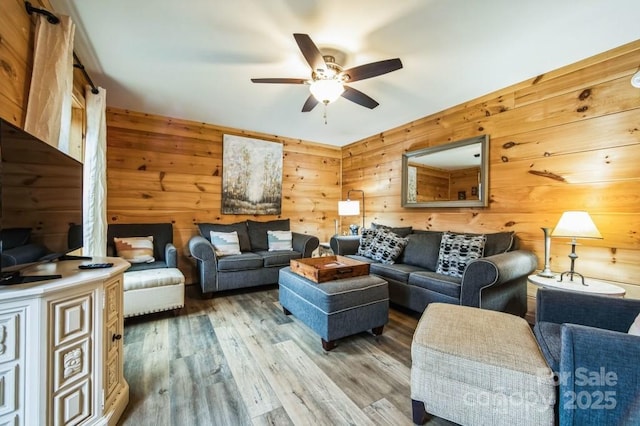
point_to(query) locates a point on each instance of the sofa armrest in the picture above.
(171, 255)
(202, 250)
(343, 245)
(598, 377)
(609, 313)
(304, 243)
(494, 271)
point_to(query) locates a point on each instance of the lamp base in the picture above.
(546, 273)
(570, 274)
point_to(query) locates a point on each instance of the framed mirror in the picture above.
(455, 174)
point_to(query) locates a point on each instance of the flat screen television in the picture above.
(41, 201)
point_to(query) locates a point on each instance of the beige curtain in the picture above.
(49, 106)
(95, 175)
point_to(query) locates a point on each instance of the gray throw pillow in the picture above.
(258, 232)
(422, 250)
(457, 250)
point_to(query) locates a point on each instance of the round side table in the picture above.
(593, 286)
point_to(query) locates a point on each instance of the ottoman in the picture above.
(479, 367)
(152, 290)
(336, 309)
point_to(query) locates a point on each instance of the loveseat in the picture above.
(589, 342)
(496, 279)
(253, 262)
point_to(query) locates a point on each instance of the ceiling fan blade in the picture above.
(280, 80)
(309, 104)
(358, 97)
(372, 70)
(311, 52)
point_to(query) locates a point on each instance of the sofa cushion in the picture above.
(135, 249)
(225, 243)
(240, 262)
(422, 250)
(239, 227)
(385, 246)
(14, 237)
(160, 277)
(157, 264)
(258, 232)
(361, 258)
(456, 251)
(548, 336)
(278, 258)
(443, 284)
(279, 240)
(400, 231)
(396, 271)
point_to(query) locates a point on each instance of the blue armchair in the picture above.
(584, 339)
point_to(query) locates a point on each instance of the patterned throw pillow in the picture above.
(382, 245)
(367, 238)
(225, 243)
(135, 249)
(279, 240)
(457, 250)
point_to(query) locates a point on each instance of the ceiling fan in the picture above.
(327, 82)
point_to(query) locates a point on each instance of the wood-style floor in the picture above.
(237, 359)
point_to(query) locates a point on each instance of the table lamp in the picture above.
(352, 208)
(575, 224)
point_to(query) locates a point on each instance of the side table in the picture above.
(593, 286)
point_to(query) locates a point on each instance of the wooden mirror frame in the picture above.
(483, 180)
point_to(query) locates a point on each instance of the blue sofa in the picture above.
(255, 265)
(585, 341)
(497, 281)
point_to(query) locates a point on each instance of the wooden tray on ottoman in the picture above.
(328, 268)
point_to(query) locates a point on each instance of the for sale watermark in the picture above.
(582, 389)
(588, 389)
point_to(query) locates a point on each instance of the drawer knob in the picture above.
(116, 337)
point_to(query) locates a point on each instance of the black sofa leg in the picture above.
(420, 415)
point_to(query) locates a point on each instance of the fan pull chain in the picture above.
(324, 115)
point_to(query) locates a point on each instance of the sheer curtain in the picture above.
(48, 113)
(95, 175)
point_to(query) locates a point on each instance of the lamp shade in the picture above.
(348, 208)
(576, 224)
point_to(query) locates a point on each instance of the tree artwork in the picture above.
(251, 176)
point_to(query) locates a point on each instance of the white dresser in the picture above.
(61, 359)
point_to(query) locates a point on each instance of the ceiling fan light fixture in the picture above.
(326, 91)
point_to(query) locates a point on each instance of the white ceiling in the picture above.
(194, 59)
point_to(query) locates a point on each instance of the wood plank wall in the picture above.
(565, 140)
(162, 169)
